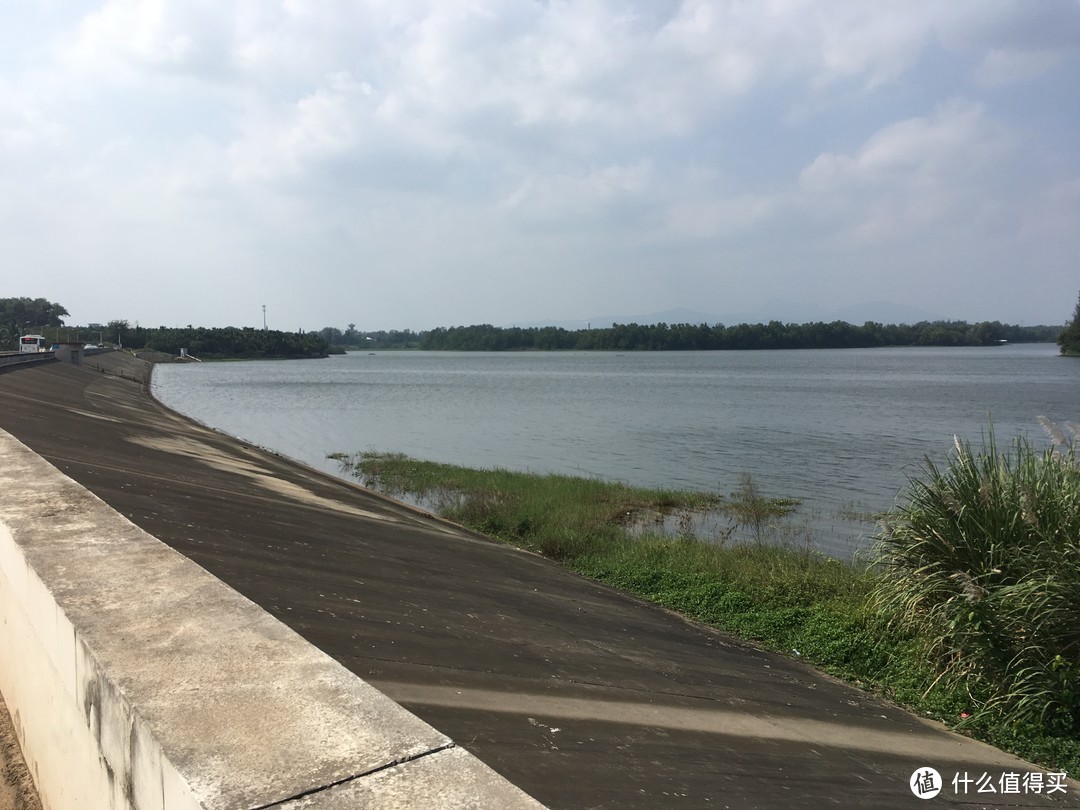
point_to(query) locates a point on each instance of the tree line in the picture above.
(20, 315)
(772, 335)
(350, 338)
(218, 342)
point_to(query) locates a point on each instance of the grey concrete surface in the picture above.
(145, 681)
(11, 360)
(580, 695)
(445, 779)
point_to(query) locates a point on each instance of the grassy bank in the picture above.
(791, 599)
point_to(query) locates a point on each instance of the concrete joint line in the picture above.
(354, 777)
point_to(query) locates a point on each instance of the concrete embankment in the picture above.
(141, 680)
(578, 694)
(9, 361)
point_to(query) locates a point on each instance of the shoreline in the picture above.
(514, 623)
(791, 600)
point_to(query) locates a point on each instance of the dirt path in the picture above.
(17, 791)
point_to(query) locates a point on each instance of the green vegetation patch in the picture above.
(981, 566)
(559, 516)
(772, 335)
(945, 619)
(1069, 339)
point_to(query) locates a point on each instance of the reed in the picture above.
(981, 567)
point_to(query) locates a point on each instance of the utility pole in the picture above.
(264, 317)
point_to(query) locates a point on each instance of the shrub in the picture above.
(981, 566)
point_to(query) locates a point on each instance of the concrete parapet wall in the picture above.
(14, 359)
(136, 679)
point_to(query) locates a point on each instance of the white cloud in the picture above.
(1016, 42)
(917, 151)
(126, 37)
(25, 124)
(709, 218)
(575, 199)
(917, 174)
(465, 137)
(739, 46)
(1001, 67)
(909, 177)
(326, 123)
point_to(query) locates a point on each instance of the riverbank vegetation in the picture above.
(686, 336)
(1069, 339)
(228, 342)
(980, 568)
(22, 315)
(964, 612)
(773, 335)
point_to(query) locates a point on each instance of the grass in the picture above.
(883, 624)
(982, 568)
(559, 516)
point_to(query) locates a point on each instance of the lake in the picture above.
(840, 429)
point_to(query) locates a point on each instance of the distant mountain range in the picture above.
(774, 310)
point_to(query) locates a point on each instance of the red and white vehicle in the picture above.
(32, 343)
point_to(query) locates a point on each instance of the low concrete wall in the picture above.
(136, 679)
(16, 359)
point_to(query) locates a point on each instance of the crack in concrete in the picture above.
(346, 780)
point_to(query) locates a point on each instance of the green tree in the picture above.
(21, 315)
(1069, 339)
(331, 334)
(117, 331)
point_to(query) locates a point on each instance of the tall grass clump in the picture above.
(980, 568)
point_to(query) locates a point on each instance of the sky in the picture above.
(406, 164)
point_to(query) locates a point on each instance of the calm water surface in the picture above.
(840, 429)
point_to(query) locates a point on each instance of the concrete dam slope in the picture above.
(139, 681)
(578, 694)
